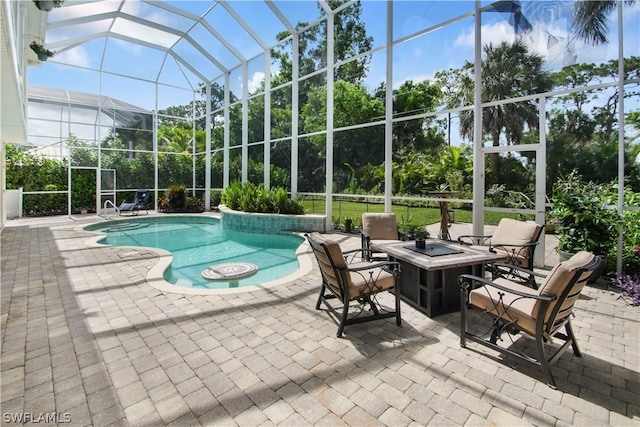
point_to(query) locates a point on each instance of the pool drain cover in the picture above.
(229, 270)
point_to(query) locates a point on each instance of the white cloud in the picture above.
(495, 33)
(77, 56)
(554, 43)
(131, 48)
(254, 82)
(159, 18)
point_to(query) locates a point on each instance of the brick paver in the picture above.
(84, 337)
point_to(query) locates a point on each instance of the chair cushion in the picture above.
(517, 233)
(525, 310)
(511, 308)
(561, 274)
(359, 283)
(333, 252)
(558, 280)
(366, 282)
(380, 226)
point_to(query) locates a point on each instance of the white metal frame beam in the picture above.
(329, 118)
(243, 24)
(204, 23)
(122, 15)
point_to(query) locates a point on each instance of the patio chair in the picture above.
(140, 201)
(517, 240)
(377, 228)
(514, 308)
(353, 282)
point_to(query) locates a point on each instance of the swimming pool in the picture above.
(197, 242)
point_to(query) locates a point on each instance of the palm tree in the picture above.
(508, 71)
(590, 19)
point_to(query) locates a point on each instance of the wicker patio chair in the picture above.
(515, 308)
(353, 282)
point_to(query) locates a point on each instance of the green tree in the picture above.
(509, 70)
(452, 83)
(409, 99)
(179, 138)
(606, 114)
(197, 110)
(350, 40)
(352, 105)
(590, 19)
(586, 139)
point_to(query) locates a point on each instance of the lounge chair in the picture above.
(140, 201)
(515, 308)
(516, 239)
(377, 227)
(351, 282)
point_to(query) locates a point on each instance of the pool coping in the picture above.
(155, 276)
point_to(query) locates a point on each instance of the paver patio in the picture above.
(86, 339)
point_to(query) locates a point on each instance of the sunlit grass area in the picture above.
(413, 214)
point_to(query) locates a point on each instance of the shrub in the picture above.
(284, 204)
(584, 222)
(231, 195)
(257, 198)
(216, 198)
(631, 231)
(630, 286)
(176, 197)
(194, 204)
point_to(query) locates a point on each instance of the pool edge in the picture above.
(155, 275)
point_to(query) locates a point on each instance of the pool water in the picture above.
(199, 242)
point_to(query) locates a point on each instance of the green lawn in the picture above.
(413, 214)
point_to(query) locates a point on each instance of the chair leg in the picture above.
(463, 315)
(398, 316)
(372, 305)
(322, 289)
(343, 320)
(570, 336)
(544, 364)
(495, 334)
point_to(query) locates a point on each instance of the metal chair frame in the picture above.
(545, 330)
(340, 289)
(140, 201)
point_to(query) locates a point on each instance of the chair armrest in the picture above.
(352, 251)
(470, 239)
(514, 273)
(516, 252)
(350, 255)
(466, 280)
(381, 264)
(519, 269)
(511, 245)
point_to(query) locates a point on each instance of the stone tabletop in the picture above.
(468, 256)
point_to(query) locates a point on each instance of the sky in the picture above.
(418, 58)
